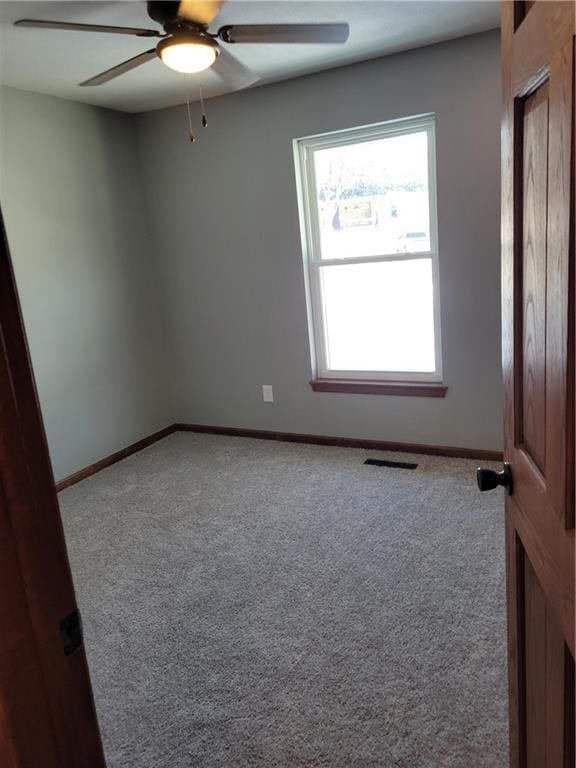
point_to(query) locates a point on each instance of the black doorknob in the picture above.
(488, 479)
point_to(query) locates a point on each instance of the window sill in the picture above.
(365, 387)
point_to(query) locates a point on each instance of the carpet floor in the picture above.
(253, 603)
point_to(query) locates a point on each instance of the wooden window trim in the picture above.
(359, 387)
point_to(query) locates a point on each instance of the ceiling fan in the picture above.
(187, 45)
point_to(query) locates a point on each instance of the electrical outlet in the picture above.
(267, 393)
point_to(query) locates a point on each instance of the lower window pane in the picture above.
(379, 317)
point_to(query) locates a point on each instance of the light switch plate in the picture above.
(267, 393)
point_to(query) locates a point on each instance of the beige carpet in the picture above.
(252, 603)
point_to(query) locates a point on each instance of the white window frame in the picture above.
(304, 149)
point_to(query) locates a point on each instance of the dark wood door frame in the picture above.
(47, 714)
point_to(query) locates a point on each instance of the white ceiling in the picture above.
(53, 62)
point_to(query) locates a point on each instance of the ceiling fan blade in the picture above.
(200, 11)
(73, 27)
(120, 69)
(284, 33)
(233, 72)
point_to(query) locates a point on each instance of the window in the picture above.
(368, 212)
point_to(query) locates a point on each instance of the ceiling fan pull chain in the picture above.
(191, 135)
(204, 118)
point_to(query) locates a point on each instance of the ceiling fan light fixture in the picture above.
(189, 55)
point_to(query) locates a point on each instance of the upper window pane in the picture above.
(372, 197)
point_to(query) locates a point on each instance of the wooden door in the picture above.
(47, 716)
(538, 354)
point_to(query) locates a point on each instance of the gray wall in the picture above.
(225, 222)
(72, 199)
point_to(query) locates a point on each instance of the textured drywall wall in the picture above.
(71, 196)
(225, 219)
